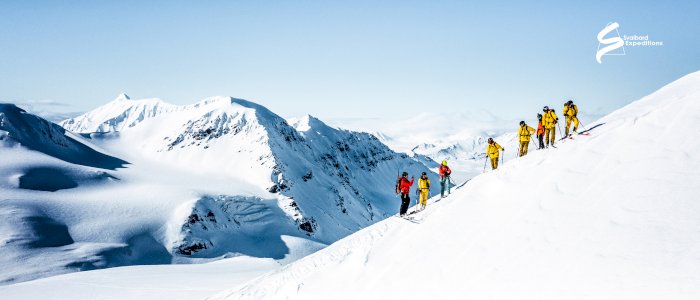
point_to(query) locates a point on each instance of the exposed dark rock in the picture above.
(191, 249)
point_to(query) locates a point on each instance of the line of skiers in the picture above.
(546, 131)
(403, 187)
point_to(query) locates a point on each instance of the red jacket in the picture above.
(445, 171)
(405, 185)
(540, 129)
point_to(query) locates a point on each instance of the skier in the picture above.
(492, 151)
(524, 133)
(404, 187)
(444, 178)
(549, 120)
(424, 187)
(540, 132)
(570, 111)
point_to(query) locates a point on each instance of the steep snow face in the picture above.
(35, 133)
(121, 113)
(612, 215)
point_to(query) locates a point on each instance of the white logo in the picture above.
(612, 42)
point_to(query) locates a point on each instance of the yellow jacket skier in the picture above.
(549, 120)
(424, 188)
(524, 134)
(492, 151)
(570, 111)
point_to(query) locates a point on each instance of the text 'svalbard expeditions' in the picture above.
(616, 43)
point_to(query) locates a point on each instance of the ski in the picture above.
(572, 135)
(410, 219)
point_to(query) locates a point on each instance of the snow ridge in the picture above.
(40, 135)
(121, 113)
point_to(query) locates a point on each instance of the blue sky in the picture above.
(336, 59)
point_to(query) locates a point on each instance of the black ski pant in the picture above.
(541, 139)
(405, 201)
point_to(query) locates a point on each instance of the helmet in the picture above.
(570, 102)
(546, 108)
(522, 123)
(444, 162)
(539, 116)
(404, 174)
(490, 140)
(423, 174)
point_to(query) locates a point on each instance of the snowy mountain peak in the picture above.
(123, 113)
(308, 122)
(118, 114)
(122, 97)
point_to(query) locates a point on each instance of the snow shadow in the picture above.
(51, 179)
(592, 127)
(46, 179)
(141, 249)
(31, 228)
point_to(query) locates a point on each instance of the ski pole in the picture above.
(485, 160)
(561, 134)
(417, 200)
(449, 187)
(397, 181)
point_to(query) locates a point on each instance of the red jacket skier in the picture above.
(404, 186)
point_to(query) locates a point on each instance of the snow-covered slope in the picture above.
(613, 215)
(220, 178)
(35, 133)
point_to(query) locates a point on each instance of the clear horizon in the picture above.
(337, 60)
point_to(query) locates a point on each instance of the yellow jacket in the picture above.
(525, 132)
(492, 149)
(549, 119)
(570, 112)
(423, 184)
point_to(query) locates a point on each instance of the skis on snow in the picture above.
(410, 219)
(572, 135)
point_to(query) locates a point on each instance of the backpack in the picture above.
(398, 185)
